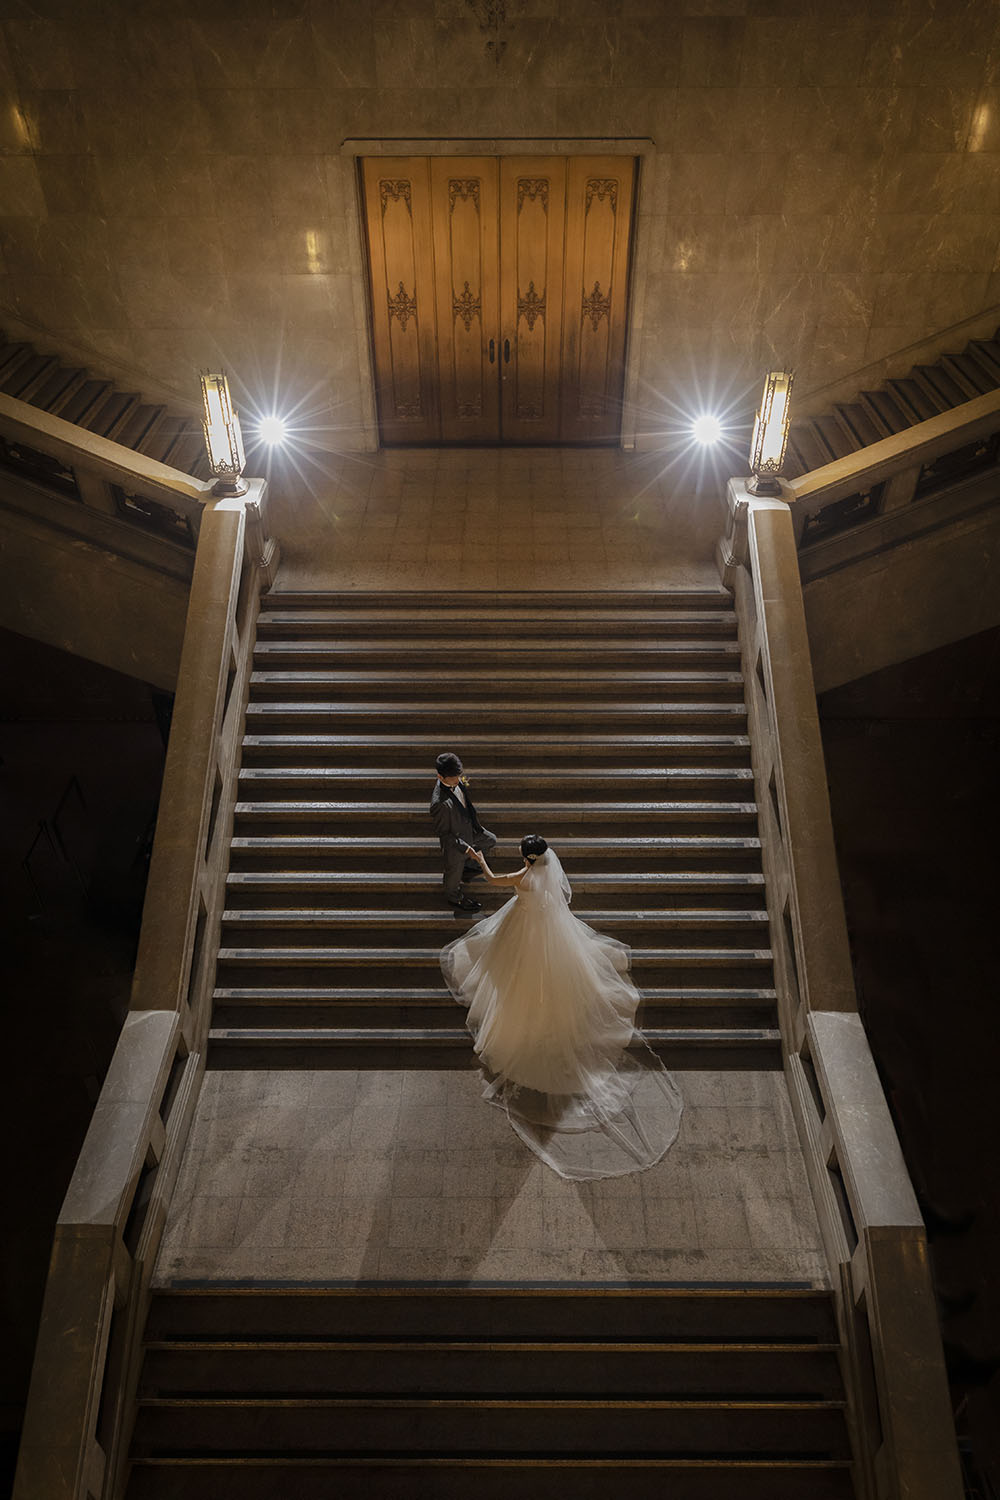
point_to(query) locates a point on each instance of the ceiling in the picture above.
(822, 188)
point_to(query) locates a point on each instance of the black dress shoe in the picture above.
(465, 903)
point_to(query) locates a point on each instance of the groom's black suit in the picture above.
(457, 827)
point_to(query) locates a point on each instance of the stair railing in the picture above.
(81, 1400)
(896, 461)
(107, 478)
(898, 1404)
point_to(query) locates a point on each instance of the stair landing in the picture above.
(397, 1175)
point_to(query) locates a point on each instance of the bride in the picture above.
(552, 1014)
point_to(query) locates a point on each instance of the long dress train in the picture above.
(552, 1014)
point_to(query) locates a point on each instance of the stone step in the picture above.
(503, 684)
(490, 624)
(470, 1478)
(497, 783)
(439, 1047)
(555, 818)
(489, 1427)
(464, 713)
(561, 652)
(315, 965)
(395, 1007)
(463, 602)
(423, 890)
(583, 751)
(391, 855)
(645, 1329)
(283, 996)
(257, 924)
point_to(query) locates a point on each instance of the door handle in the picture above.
(493, 351)
(506, 351)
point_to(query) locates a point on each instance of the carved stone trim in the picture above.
(464, 188)
(466, 307)
(601, 188)
(470, 409)
(402, 307)
(395, 188)
(409, 411)
(531, 307)
(596, 307)
(533, 187)
(529, 411)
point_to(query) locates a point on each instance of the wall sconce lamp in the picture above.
(770, 434)
(223, 437)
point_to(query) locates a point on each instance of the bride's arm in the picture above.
(480, 859)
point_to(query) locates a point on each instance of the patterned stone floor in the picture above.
(411, 1176)
(508, 518)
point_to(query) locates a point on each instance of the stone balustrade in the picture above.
(81, 1398)
(898, 1404)
(895, 462)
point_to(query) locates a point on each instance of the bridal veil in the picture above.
(552, 1015)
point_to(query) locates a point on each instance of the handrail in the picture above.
(819, 398)
(898, 1407)
(115, 484)
(81, 1398)
(903, 452)
(77, 447)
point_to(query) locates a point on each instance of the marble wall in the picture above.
(824, 189)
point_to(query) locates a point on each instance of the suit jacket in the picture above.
(453, 823)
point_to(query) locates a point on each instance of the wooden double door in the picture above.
(498, 289)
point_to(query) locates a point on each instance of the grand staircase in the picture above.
(615, 726)
(443, 1394)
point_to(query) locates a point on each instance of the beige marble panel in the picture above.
(21, 192)
(297, 186)
(809, 165)
(649, 54)
(41, 52)
(711, 50)
(698, 183)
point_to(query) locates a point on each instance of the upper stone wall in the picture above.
(825, 187)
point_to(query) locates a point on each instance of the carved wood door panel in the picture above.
(599, 193)
(532, 214)
(398, 212)
(464, 199)
(498, 296)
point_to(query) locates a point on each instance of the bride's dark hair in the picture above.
(533, 846)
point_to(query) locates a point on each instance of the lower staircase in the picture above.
(418, 1392)
(615, 726)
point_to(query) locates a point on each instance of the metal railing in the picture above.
(898, 1404)
(81, 1399)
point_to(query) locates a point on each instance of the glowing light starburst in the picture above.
(706, 429)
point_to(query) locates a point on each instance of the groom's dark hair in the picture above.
(448, 764)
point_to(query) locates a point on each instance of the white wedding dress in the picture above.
(552, 1012)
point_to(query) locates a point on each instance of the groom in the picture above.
(457, 825)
